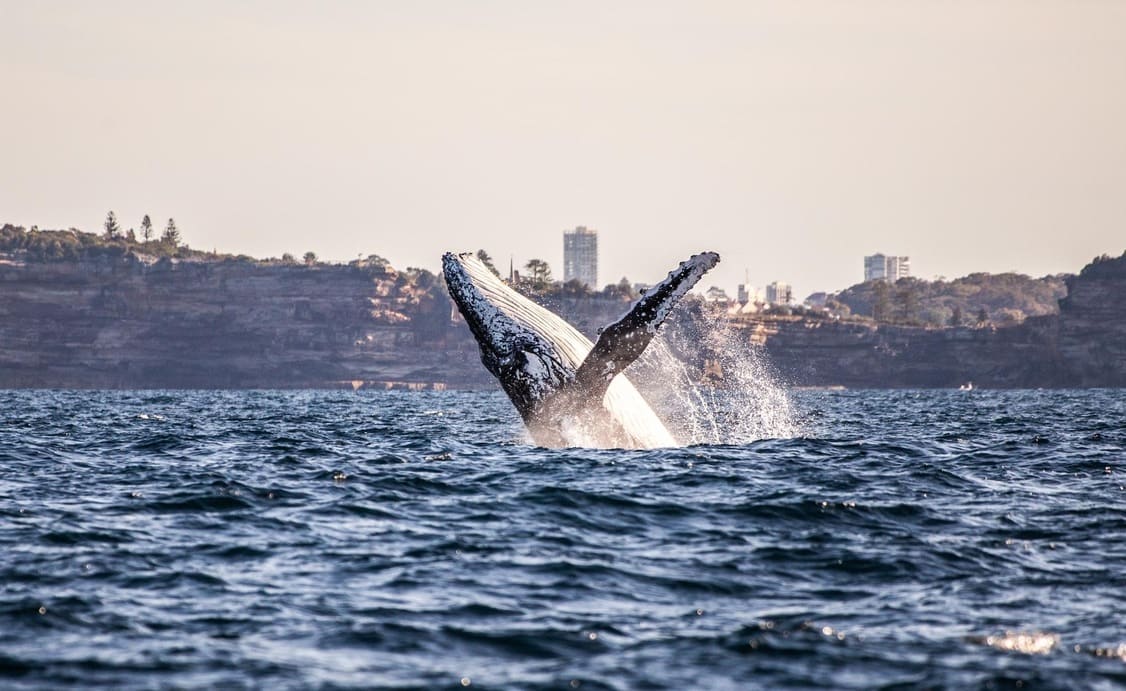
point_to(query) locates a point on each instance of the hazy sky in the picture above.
(792, 137)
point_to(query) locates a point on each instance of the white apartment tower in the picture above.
(779, 293)
(580, 256)
(884, 268)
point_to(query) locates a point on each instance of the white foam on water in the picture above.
(736, 399)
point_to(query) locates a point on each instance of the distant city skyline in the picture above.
(792, 138)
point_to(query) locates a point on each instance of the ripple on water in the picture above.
(328, 539)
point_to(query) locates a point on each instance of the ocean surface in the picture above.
(902, 539)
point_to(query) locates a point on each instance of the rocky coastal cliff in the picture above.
(1084, 345)
(1092, 325)
(861, 354)
(128, 322)
(122, 323)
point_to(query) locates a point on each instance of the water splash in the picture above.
(712, 387)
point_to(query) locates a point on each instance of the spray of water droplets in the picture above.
(711, 386)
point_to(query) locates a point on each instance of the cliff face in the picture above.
(127, 323)
(1084, 345)
(121, 322)
(850, 354)
(1092, 324)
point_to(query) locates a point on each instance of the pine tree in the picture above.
(171, 234)
(112, 229)
(907, 300)
(146, 228)
(539, 273)
(881, 301)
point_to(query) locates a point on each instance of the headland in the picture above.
(76, 312)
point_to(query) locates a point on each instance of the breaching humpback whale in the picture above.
(569, 391)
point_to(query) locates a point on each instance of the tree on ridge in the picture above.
(112, 229)
(539, 273)
(881, 303)
(171, 234)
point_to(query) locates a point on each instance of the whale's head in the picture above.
(532, 352)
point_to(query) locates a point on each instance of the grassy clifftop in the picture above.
(1000, 299)
(74, 245)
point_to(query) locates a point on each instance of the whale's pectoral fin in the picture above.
(623, 341)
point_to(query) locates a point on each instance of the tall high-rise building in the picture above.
(749, 294)
(884, 268)
(580, 256)
(779, 293)
(875, 267)
(899, 267)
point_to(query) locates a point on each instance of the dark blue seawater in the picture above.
(411, 540)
